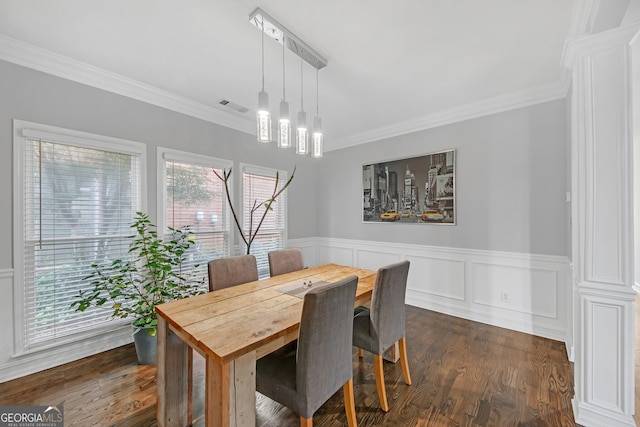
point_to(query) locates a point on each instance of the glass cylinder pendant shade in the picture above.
(302, 134)
(317, 139)
(284, 126)
(263, 118)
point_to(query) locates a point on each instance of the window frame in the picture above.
(23, 131)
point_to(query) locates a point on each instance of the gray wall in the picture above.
(510, 184)
(34, 96)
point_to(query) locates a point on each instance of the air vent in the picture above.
(233, 106)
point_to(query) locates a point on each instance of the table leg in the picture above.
(230, 392)
(172, 378)
(393, 353)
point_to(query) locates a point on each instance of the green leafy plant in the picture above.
(152, 274)
(249, 235)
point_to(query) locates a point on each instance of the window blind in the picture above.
(195, 198)
(258, 185)
(78, 203)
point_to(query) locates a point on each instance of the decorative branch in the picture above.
(251, 235)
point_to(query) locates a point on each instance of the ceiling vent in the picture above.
(233, 106)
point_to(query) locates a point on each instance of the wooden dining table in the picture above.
(232, 328)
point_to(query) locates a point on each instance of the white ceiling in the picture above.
(393, 66)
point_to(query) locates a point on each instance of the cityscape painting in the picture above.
(417, 190)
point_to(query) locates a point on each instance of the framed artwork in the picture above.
(416, 190)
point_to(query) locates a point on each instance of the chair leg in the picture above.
(360, 353)
(306, 422)
(404, 362)
(382, 393)
(349, 403)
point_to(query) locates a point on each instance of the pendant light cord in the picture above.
(283, 95)
(262, 26)
(301, 86)
(317, 102)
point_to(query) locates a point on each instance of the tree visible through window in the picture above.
(78, 203)
(194, 197)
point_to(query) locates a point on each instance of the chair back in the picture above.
(324, 358)
(231, 271)
(387, 303)
(285, 261)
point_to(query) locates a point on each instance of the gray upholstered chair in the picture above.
(304, 374)
(231, 271)
(285, 261)
(380, 327)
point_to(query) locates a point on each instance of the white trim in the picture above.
(28, 55)
(21, 131)
(371, 254)
(193, 158)
(79, 139)
(26, 364)
(485, 107)
(544, 280)
(602, 246)
(588, 45)
(46, 61)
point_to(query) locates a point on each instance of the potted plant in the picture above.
(152, 274)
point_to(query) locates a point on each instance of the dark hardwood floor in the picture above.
(464, 374)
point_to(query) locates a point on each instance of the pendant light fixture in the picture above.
(317, 138)
(302, 134)
(304, 144)
(284, 124)
(263, 115)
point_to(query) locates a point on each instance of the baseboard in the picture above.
(594, 416)
(19, 366)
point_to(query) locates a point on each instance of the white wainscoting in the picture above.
(465, 283)
(523, 292)
(14, 366)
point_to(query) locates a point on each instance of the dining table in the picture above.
(232, 328)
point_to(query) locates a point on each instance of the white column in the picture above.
(602, 226)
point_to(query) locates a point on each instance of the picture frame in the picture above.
(414, 190)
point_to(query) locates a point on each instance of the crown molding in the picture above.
(30, 56)
(485, 107)
(43, 60)
(590, 44)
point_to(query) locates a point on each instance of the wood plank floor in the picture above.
(464, 374)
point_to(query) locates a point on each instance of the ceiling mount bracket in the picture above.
(277, 31)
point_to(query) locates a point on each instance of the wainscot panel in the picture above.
(524, 289)
(372, 260)
(437, 276)
(335, 255)
(308, 248)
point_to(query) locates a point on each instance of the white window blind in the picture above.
(77, 204)
(195, 197)
(257, 187)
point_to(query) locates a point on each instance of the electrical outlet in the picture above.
(505, 297)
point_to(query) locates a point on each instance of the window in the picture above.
(193, 196)
(257, 185)
(75, 197)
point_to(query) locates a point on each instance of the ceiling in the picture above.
(393, 66)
